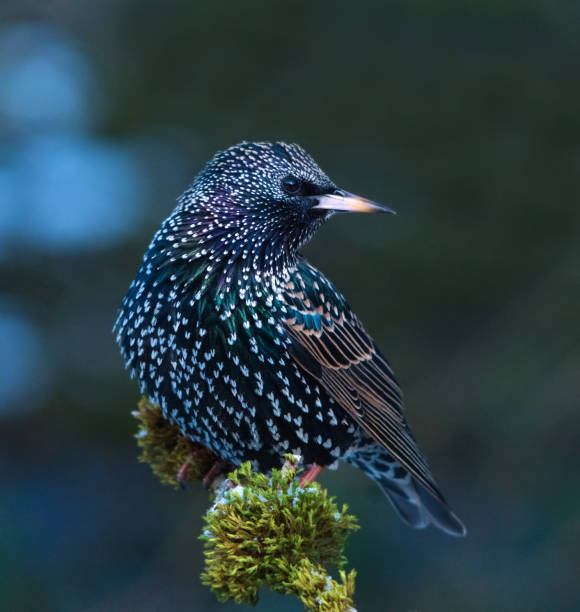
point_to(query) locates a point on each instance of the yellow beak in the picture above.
(348, 202)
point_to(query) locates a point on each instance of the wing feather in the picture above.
(329, 342)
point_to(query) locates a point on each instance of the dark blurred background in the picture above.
(462, 116)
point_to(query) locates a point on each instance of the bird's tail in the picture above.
(415, 504)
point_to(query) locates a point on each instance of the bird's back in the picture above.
(329, 342)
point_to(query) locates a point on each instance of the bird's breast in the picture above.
(223, 373)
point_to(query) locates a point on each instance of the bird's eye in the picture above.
(291, 185)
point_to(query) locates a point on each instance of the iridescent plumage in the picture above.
(251, 350)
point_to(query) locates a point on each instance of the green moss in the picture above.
(262, 531)
(165, 449)
(318, 591)
(270, 532)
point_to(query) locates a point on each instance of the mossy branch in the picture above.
(166, 450)
(262, 530)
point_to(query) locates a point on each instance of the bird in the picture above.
(252, 351)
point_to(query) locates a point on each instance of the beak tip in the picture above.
(386, 210)
(343, 201)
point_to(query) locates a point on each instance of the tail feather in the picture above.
(416, 505)
(406, 502)
(440, 513)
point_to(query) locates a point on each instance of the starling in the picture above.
(252, 351)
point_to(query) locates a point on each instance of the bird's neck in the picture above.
(223, 261)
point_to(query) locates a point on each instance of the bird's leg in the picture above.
(182, 470)
(310, 474)
(214, 471)
(194, 454)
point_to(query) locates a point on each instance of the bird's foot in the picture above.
(195, 454)
(310, 474)
(215, 470)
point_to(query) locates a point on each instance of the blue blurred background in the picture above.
(462, 116)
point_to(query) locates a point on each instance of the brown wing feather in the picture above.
(346, 361)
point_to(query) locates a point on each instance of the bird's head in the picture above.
(262, 201)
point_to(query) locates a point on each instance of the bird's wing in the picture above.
(329, 342)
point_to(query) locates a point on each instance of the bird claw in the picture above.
(213, 473)
(181, 472)
(181, 479)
